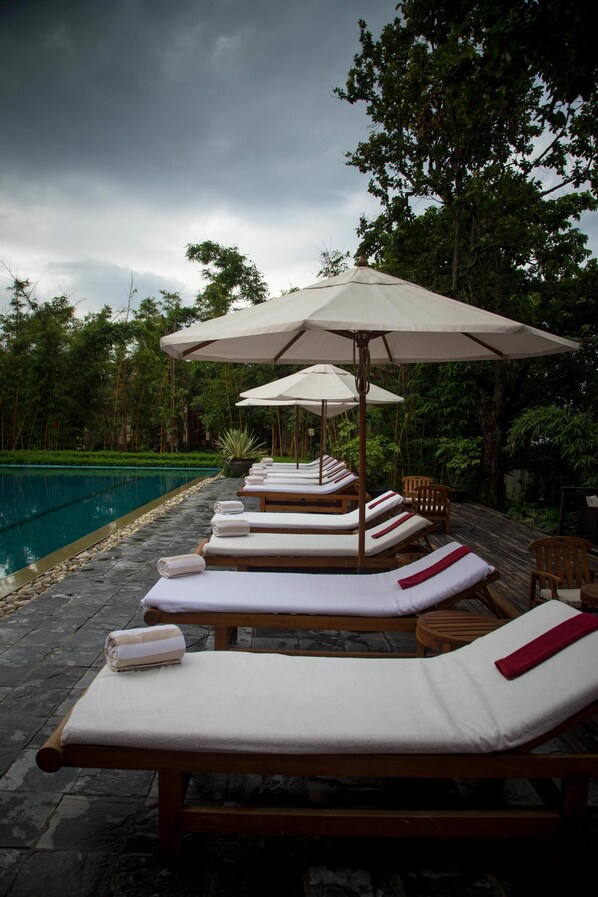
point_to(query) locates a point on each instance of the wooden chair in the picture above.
(432, 501)
(562, 568)
(410, 484)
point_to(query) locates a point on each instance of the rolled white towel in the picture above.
(181, 565)
(144, 648)
(258, 468)
(234, 527)
(254, 479)
(267, 461)
(229, 507)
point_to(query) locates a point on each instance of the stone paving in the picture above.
(92, 833)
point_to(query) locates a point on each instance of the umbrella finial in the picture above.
(362, 262)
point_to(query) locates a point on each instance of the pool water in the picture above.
(45, 509)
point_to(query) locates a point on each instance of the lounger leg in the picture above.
(172, 786)
(222, 635)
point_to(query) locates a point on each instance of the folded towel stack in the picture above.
(254, 479)
(229, 507)
(144, 648)
(234, 527)
(181, 565)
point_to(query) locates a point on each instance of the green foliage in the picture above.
(533, 514)
(560, 433)
(111, 459)
(238, 444)
(460, 457)
(233, 281)
(380, 453)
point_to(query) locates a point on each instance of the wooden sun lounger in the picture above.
(394, 556)
(226, 623)
(560, 803)
(339, 502)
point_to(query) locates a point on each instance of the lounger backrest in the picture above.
(397, 531)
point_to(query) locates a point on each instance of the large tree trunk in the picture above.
(490, 410)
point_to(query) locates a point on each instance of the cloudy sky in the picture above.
(131, 128)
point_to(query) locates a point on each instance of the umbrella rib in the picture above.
(289, 344)
(484, 345)
(387, 347)
(197, 347)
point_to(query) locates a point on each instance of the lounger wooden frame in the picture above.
(393, 557)
(561, 805)
(226, 623)
(339, 502)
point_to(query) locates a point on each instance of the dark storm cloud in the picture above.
(185, 100)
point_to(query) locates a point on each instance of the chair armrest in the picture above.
(537, 577)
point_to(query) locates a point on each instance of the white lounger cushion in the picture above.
(313, 544)
(324, 489)
(284, 520)
(272, 703)
(372, 595)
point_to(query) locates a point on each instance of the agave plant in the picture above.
(235, 444)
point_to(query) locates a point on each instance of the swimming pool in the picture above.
(44, 509)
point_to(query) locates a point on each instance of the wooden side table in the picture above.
(589, 596)
(445, 630)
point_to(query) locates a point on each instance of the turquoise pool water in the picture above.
(44, 509)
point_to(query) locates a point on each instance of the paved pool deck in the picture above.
(92, 833)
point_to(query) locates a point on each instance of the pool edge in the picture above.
(20, 578)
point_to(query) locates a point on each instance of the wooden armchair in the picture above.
(410, 484)
(432, 501)
(562, 568)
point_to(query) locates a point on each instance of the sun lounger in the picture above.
(342, 601)
(339, 496)
(383, 546)
(298, 522)
(448, 717)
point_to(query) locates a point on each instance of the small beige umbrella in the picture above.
(332, 409)
(326, 383)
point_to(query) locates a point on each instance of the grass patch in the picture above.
(111, 459)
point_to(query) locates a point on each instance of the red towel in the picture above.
(547, 644)
(390, 527)
(380, 500)
(433, 569)
(343, 477)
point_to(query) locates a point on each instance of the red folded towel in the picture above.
(547, 644)
(391, 526)
(433, 569)
(379, 501)
(343, 477)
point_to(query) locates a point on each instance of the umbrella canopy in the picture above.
(405, 323)
(366, 314)
(333, 386)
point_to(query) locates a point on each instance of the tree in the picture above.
(233, 281)
(475, 133)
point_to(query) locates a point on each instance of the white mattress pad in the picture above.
(370, 595)
(292, 520)
(242, 702)
(325, 489)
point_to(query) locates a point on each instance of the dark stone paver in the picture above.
(93, 833)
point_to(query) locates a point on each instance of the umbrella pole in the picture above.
(297, 436)
(322, 439)
(362, 383)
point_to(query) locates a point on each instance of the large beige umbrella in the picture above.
(366, 315)
(333, 386)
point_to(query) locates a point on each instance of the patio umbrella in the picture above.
(368, 316)
(331, 385)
